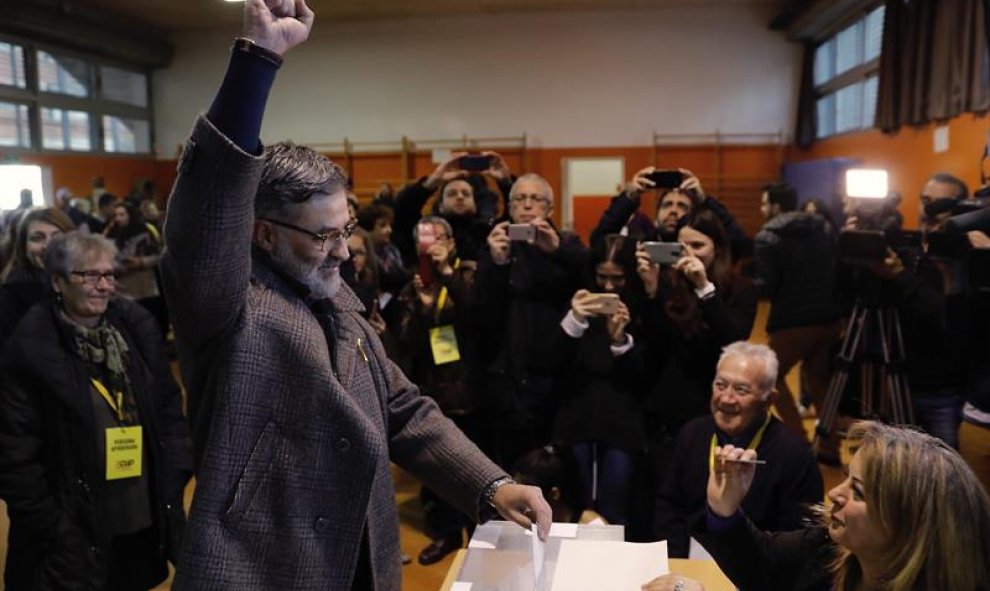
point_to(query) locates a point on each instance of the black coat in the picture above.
(597, 392)
(50, 474)
(757, 561)
(684, 365)
(521, 304)
(22, 289)
(795, 257)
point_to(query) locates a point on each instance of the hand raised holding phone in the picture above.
(648, 271)
(586, 304)
(617, 323)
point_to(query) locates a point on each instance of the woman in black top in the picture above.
(23, 278)
(693, 308)
(910, 516)
(598, 415)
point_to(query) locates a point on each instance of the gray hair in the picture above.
(291, 175)
(532, 176)
(67, 252)
(754, 351)
(436, 221)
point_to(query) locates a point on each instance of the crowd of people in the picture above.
(615, 383)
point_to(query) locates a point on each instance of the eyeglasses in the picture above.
(523, 197)
(93, 277)
(331, 235)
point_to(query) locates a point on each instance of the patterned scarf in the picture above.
(105, 352)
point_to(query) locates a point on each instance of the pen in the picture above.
(742, 461)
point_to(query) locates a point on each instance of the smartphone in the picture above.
(426, 236)
(863, 245)
(524, 232)
(664, 253)
(609, 303)
(666, 179)
(474, 163)
(425, 270)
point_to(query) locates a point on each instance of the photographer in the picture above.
(437, 334)
(673, 203)
(599, 417)
(466, 202)
(919, 283)
(525, 279)
(692, 309)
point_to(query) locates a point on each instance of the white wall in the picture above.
(568, 80)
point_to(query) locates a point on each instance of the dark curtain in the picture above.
(807, 114)
(933, 62)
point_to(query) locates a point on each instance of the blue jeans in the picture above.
(939, 416)
(606, 475)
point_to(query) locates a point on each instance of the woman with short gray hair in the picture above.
(94, 450)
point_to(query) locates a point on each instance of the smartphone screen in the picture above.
(426, 235)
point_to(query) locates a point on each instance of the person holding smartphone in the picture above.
(678, 192)
(523, 289)
(438, 335)
(598, 416)
(464, 200)
(693, 308)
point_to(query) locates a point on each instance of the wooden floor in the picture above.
(412, 538)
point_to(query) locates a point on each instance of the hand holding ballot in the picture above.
(524, 505)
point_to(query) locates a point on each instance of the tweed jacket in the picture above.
(294, 430)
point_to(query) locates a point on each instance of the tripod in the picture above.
(874, 342)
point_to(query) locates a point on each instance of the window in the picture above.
(126, 135)
(63, 75)
(56, 99)
(65, 130)
(124, 86)
(846, 67)
(15, 129)
(12, 65)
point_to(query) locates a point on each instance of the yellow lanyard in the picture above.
(753, 444)
(115, 405)
(442, 298)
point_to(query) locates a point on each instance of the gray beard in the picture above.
(309, 276)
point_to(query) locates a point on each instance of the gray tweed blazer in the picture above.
(293, 449)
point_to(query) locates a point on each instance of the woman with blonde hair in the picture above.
(910, 516)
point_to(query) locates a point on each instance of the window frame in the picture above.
(857, 74)
(94, 105)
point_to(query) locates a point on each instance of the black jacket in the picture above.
(520, 305)
(22, 289)
(51, 479)
(683, 366)
(598, 393)
(795, 256)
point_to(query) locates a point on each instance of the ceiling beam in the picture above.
(72, 25)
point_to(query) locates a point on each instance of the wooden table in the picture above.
(704, 571)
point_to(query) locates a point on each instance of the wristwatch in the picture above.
(248, 46)
(488, 495)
